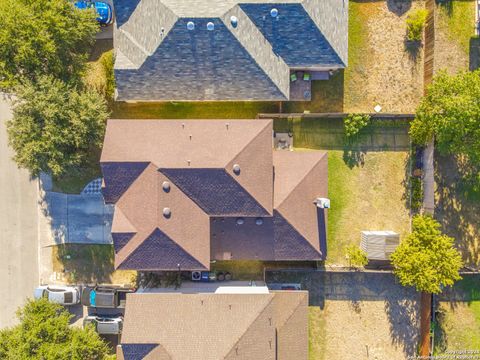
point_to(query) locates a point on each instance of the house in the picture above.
(165, 326)
(190, 192)
(173, 50)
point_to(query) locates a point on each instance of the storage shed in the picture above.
(379, 245)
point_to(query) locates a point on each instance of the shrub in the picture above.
(416, 196)
(100, 77)
(415, 24)
(354, 123)
(357, 257)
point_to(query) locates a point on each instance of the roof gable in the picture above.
(158, 251)
(118, 176)
(137, 351)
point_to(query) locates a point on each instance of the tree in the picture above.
(44, 333)
(54, 126)
(356, 256)
(426, 258)
(415, 24)
(450, 113)
(354, 123)
(44, 37)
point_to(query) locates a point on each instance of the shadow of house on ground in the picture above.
(401, 303)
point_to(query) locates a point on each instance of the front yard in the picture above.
(80, 263)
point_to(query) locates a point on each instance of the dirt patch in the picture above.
(383, 71)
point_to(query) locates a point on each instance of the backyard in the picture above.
(459, 317)
(367, 180)
(457, 207)
(454, 29)
(357, 315)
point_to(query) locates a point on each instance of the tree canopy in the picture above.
(43, 37)
(426, 258)
(450, 113)
(44, 333)
(55, 126)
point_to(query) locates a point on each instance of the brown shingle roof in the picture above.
(140, 156)
(219, 326)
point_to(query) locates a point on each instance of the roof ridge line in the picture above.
(267, 46)
(298, 183)
(293, 312)
(134, 42)
(249, 326)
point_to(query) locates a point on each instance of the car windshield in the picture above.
(56, 290)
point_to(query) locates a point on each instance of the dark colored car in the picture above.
(105, 297)
(103, 9)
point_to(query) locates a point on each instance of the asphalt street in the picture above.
(18, 229)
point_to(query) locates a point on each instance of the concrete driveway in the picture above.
(18, 229)
(76, 219)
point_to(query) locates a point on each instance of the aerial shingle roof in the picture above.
(217, 326)
(234, 198)
(248, 58)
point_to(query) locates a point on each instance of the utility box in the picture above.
(379, 245)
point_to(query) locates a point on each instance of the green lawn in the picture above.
(366, 180)
(89, 264)
(458, 16)
(459, 320)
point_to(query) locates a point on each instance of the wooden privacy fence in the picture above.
(379, 116)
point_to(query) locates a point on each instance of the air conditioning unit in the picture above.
(196, 275)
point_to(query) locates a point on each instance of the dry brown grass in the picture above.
(381, 70)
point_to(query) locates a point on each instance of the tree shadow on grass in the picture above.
(457, 206)
(85, 263)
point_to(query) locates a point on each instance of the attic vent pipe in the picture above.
(234, 21)
(274, 13)
(190, 25)
(236, 169)
(210, 26)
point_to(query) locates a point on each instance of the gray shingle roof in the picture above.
(159, 59)
(137, 351)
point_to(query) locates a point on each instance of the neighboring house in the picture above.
(271, 326)
(189, 192)
(226, 49)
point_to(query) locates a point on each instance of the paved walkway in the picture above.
(18, 229)
(428, 179)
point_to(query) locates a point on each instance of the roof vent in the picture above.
(236, 169)
(210, 26)
(322, 203)
(166, 186)
(274, 13)
(240, 221)
(167, 212)
(234, 21)
(190, 25)
(259, 221)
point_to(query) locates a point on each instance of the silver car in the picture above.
(64, 295)
(105, 325)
